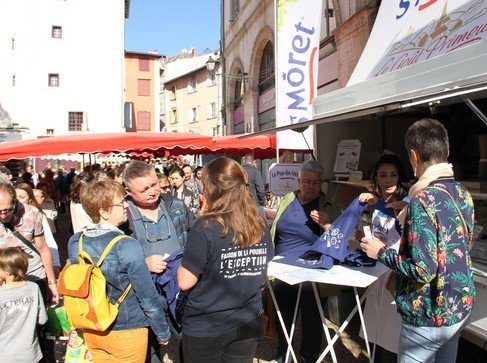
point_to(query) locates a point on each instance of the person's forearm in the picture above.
(46, 258)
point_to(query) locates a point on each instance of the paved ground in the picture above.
(350, 348)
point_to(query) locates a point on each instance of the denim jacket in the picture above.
(124, 264)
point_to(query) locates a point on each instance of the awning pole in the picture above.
(475, 109)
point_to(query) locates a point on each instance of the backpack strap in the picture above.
(102, 257)
(83, 255)
(465, 225)
(108, 248)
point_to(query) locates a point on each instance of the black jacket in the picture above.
(256, 184)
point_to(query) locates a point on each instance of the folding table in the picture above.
(355, 277)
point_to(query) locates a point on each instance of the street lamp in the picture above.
(210, 66)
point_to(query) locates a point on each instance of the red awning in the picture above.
(262, 146)
(154, 143)
(175, 143)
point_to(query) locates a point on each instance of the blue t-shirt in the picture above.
(295, 226)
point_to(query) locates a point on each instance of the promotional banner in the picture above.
(297, 48)
(412, 31)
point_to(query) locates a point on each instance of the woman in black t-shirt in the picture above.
(223, 267)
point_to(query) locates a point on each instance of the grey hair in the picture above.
(311, 165)
(8, 189)
(136, 169)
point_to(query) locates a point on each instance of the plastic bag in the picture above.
(57, 322)
(77, 351)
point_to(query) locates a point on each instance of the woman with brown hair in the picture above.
(223, 267)
(25, 194)
(126, 340)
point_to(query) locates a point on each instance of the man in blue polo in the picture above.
(159, 222)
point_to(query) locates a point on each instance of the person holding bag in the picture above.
(435, 289)
(126, 340)
(388, 195)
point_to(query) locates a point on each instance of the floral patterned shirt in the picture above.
(435, 284)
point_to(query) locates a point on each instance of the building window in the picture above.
(143, 121)
(75, 121)
(212, 110)
(266, 71)
(239, 90)
(144, 87)
(192, 115)
(173, 117)
(144, 65)
(172, 93)
(53, 80)
(128, 109)
(13, 80)
(57, 32)
(192, 84)
(49, 131)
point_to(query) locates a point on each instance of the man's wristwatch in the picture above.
(52, 282)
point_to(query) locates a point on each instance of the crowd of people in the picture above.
(206, 230)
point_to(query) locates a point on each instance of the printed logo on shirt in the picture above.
(235, 261)
(333, 237)
(17, 302)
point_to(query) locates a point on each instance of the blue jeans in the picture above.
(429, 344)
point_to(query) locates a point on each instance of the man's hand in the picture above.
(164, 343)
(320, 218)
(371, 246)
(156, 263)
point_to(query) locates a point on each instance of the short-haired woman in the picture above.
(126, 340)
(223, 267)
(435, 289)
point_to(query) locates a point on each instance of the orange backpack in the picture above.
(84, 289)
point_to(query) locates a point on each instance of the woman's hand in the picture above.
(359, 234)
(371, 246)
(397, 205)
(320, 218)
(368, 198)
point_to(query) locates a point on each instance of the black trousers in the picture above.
(237, 346)
(311, 328)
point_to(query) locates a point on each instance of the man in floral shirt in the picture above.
(435, 289)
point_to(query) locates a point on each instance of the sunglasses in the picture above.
(6, 211)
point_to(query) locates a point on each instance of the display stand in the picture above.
(355, 277)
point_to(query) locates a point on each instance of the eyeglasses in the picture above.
(121, 204)
(6, 211)
(157, 231)
(311, 182)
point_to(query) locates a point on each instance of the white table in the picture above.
(356, 277)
